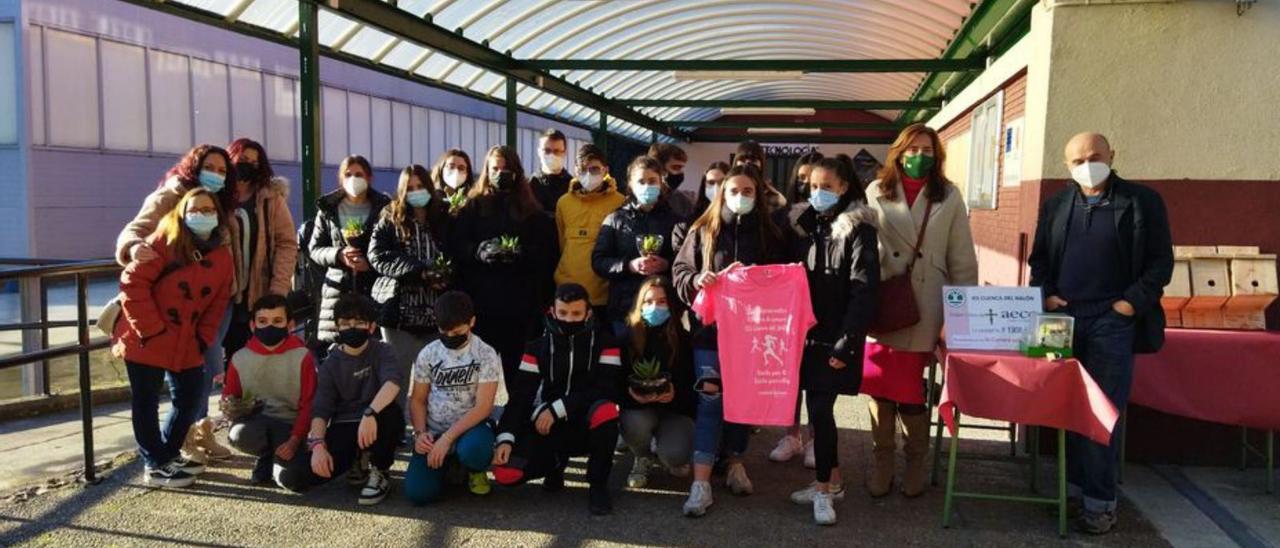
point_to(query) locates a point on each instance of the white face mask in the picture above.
(454, 178)
(590, 182)
(740, 205)
(552, 163)
(1091, 174)
(355, 186)
(710, 192)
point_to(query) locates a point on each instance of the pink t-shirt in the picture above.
(763, 313)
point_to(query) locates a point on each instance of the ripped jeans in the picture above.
(709, 425)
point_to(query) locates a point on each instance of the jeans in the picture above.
(214, 360)
(672, 431)
(709, 425)
(158, 445)
(259, 436)
(474, 451)
(343, 444)
(1104, 345)
(407, 346)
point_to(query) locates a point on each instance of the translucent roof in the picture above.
(646, 30)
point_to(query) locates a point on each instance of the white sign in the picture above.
(989, 317)
(1011, 144)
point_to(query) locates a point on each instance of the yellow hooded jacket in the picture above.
(579, 215)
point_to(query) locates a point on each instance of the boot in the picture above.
(915, 430)
(884, 444)
(209, 442)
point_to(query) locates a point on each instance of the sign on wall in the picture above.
(989, 317)
(1011, 144)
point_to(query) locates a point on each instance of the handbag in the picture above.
(896, 300)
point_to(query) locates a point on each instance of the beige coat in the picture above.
(947, 258)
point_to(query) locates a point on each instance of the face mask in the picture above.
(917, 166)
(562, 327)
(202, 225)
(246, 171)
(552, 163)
(270, 335)
(590, 182)
(646, 195)
(418, 198)
(823, 199)
(655, 315)
(454, 178)
(675, 179)
(503, 180)
(355, 186)
(740, 205)
(352, 337)
(455, 342)
(1091, 174)
(710, 192)
(211, 181)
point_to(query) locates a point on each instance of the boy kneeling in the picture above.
(355, 407)
(268, 390)
(562, 403)
(455, 380)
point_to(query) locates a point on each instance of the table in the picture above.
(1010, 387)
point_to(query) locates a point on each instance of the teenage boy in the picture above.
(455, 381)
(562, 403)
(268, 389)
(355, 406)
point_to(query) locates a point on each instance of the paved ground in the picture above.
(222, 510)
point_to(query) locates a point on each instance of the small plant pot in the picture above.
(649, 387)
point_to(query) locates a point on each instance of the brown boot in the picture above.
(915, 430)
(209, 442)
(884, 444)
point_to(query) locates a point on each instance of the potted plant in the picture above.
(647, 377)
(440, 272)
(246, 405)
(353, 232)
(456, 202)
(649, 244)
(509, 246)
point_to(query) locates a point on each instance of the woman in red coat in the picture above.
(172, 307)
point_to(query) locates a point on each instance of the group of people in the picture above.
(511, 322)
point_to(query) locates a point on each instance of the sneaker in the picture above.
(375, 489)
(679, 471)
(805, 496)
(639, 476)
(737, 481)
(824, 513)
(788, 447)
(478, 483)
(810, 461)
(359, 473)
(189, 466)
(599, 501)
(169, 475)
(1097, 523)
(554, 481)
(699, 499)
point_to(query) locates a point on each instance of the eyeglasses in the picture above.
(594, 170)
(203, 210)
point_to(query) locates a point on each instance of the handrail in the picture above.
(101, 266)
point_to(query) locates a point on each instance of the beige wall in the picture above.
(1183, 90)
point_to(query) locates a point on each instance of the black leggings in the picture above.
(822, 419)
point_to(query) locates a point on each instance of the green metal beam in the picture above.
(749, 103)
(770, 65)
(309, 102)
(513, 117)
(601, 136)
(787, 138)
(784, 124)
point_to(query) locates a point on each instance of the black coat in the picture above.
(568, 374)
(680, 369)
(616, 246)
(1146, 248)
(327, 243)
(519, 290)
(841, 256)
(401, 266)
(549, 188)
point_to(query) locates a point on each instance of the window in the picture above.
(358, 131)
(380, 124)
(422, 152)
(211, 103)
(35, 101)
(333, 110)
(247, 119)
(124, 96)
(73, 89)
(9, 91)
(984, 151)
(402, 138)
(170, 102)
(467, 140)
(281, 104)
(438, 142)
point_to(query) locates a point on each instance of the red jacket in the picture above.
(168, 321)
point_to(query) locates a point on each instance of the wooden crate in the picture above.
(1239, 250)
(1177, 293)
(1210, 291)
(1189, 251)
(1253, 289)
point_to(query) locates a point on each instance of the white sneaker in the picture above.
(805, 496)
(376, 488)
(736, 479)
(824, 513)
(639, 476)
(699, 499)
(810, 461)
(788, 447)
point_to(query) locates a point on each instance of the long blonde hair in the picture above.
(708, 224)
(173, 231)
(935, 188)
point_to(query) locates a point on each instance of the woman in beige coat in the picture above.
(910, 184)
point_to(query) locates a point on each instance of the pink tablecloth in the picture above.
(1228, 377)
(1010, 387)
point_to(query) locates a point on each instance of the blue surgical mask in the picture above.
(201, 224)
(655, 315)
(213, 182)
(823, 199)
(418, 198)
(647, 195)
(739, 204)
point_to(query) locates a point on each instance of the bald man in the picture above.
(1102, 254)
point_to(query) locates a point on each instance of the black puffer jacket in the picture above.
(617, 245)
(519, 290)
(401, 264)
(842, 258)
(327, 243)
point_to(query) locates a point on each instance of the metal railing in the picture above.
(34, 277)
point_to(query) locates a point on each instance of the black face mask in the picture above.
(561, 327)
(454, 342)
(675, 179)
(504, 180)
(353, 337)
(246, 171)
(271, 335)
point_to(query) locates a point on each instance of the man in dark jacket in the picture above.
(1103, 254)
(551, 180)
(562, 404)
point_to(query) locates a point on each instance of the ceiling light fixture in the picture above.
(766, 111)
(784, 130)
(755, 75)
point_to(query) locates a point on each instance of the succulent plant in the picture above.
(509, 244)
(650, 244)
(647, 369)
(457, 201)
(353, 228)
